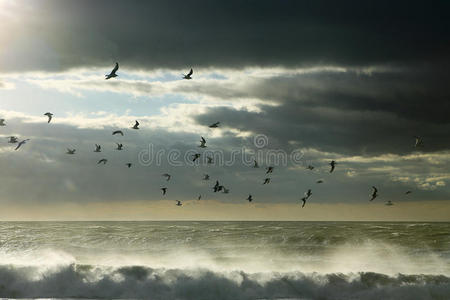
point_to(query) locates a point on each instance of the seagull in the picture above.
(21, 143)
(164, 190)
(216, 186)
(199, 197)
(103, 160)
(178, 203)
(255, 164)
(214, 125)
(117, 132)
(332, 164)
(389, 203)
(310, 167)
(195, 157)
(202, 143)
(12, 139)
(49, 115)
(210, 159)
(168, 176)
(136, 125)
(269, 170)
(119, 146)
(374, 194)
(304, 201)
(249, 198)
(98, 148)
(129, 165)
(419, 141)
(206, 177)
(113, 72)
(225, 190)
(70, 151)
(2, 122)
(266, 181)
(319, 181)
(408, 192)
(188, 75)
(308, 194)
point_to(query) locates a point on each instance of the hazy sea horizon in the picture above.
(225, 259)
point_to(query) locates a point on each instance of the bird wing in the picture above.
(374, 189)
(203, 140)
(137, 123)
(116, 67)
(190, 72)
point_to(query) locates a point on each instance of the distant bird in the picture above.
(188, 75)
(269, 170)
(21, 143)
(310, 167)
(178, 203)
(333, 165)
(98, 148)
(419, 141)
(168, 176)
(103, 160)
(136, 125)
(2, 122)
(249, 198)
(164, 190)
(304, 201)
(319, 181)
(49, 115)
(220, 188)
(202, 143)
(70, 151)
(195, 157)
(113, 72)
(408, 192)
(119, 146)
(308, 194)
(199, 197)
(210, 160)
(389, 203)
(12, 139)
(266, 181)
(129, 165)
(374, 193)
(117, 132)
(216, 186)
(206, 177)
(255, 164)
(225, 190)
(214, 125)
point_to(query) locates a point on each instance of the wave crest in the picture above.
(85, 281)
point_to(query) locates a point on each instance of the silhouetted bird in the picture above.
(374, 193)
(119, 146)
(178, 203)
(249, 198)
(70, 151)
(266, 181)
(164, 190)
(202, 143)
(269, 170)
(117, 132)
(408, 192)
(113, 72)
(103, 160)
(21, 143)
(49, 115)
(129, 165)
(12, 139)
(195, 157)
(214, 125)
(188, 75)
(136, 125)
(304, 201)
(98, 148)
(419, 141)
(333, 165)
(319, 181)
(308, 194)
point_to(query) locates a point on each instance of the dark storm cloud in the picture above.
(349, 113)
(57, 35)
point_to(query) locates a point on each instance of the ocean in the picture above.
(225, 260)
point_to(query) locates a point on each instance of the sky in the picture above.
(292, 83)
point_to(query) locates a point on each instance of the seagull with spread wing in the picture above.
(21, 143)
(113, 72)
(374, 193)
(188, 75)
(118, 132)
(202, 142)
(136, 125)
(49, 115)
(214, 125)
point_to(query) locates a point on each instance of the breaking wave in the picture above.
(85, 281)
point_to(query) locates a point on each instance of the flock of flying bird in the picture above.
(217, 187)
